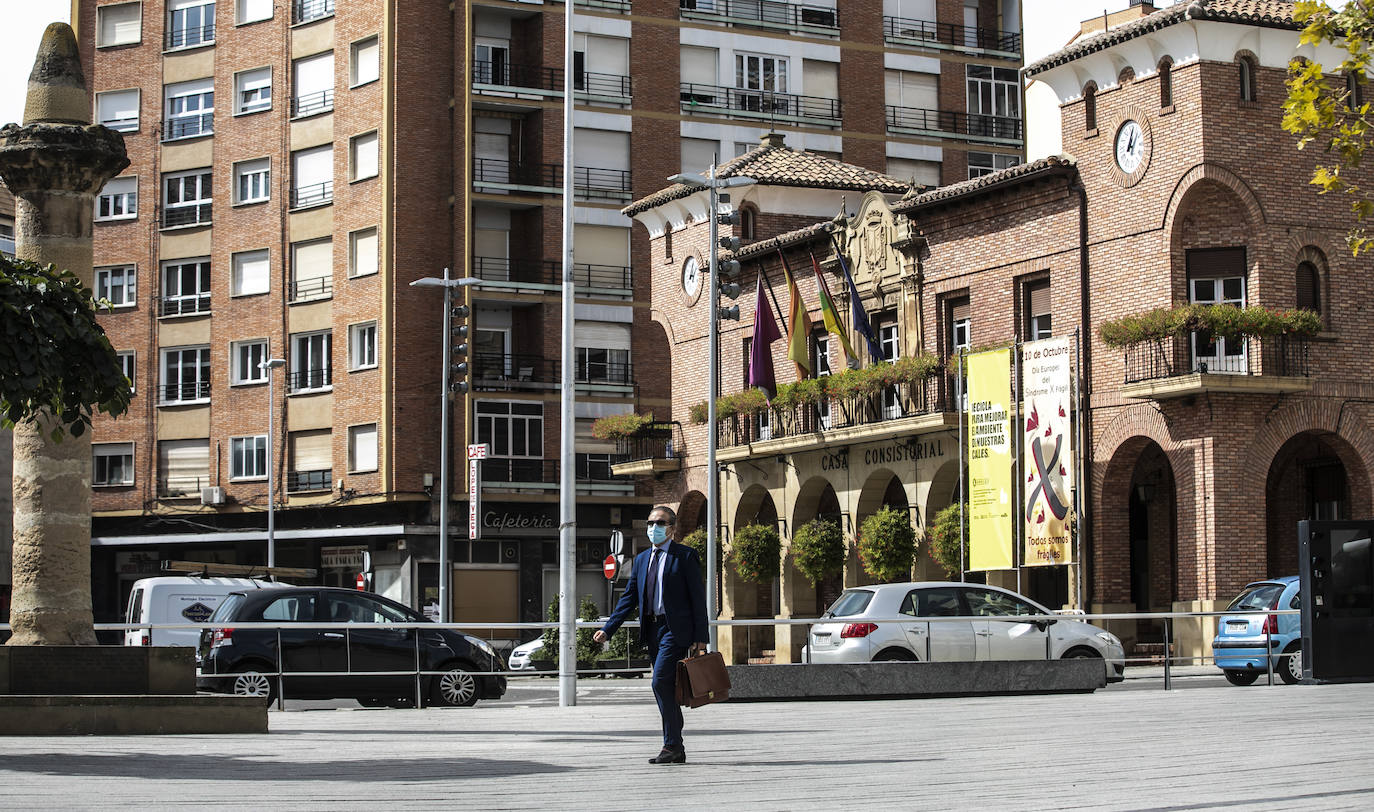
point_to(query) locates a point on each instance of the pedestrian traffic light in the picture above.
(458, 367)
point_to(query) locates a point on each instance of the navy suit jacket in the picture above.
(684, 597)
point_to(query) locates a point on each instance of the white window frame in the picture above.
(242, 8)
(102, 11)
(989, 162)
(123, 278)
(353, 238)
(355, 433)
(201, 183)
(128, 362)
(173, 286)
(486, 422)
(325, 193)
(607, 360)
(362, 345)
(100, 472)
(756, 77)
(251, 95)
(118, 200)
(1229, 355)
(360, 165)
(889, 340)
(185, 103)
(238, 261)
(998, 93)
(248, 450)
(106, 99)
(255, 178)
(183, 8)
(199, 364)
(362, 68)
(310, 361)
(316, 101)
(244, 360)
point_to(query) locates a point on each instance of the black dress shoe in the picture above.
(670, 755)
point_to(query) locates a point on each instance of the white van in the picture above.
(179, 599)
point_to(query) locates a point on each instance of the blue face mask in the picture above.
(657, 534)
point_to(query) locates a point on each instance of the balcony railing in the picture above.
(589, 182)
(195, 214)
(766, 103)
(496, 370)
(767, 12)
(540, 77)
(954, 123)
(298, 481)
(188, 126)
(1282, 356)
(303, 11)
(902, 29)
(663, 443)
(190, 36)
(184, 392)
(305, 290)
(596, 468)
(184, 304)
(604, 372)
(181, 486)
(549, 272)
(308, 104)
(610, 5)
(309, 379)
(903, 400)
(508, 470)
(123, 125)
(312, 195)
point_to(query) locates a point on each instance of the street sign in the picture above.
(617, 542)
(477, 451)
(610, 566)
(362, 581)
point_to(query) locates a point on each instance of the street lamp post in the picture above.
(267, 367)
(713, 184)
(449, 285)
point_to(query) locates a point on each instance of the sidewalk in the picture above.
(1286, 747)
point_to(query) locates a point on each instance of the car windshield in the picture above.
(227, 607)
(1258, 596)
(851, 602)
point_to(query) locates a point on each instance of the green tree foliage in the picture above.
(887, 544)
(54, 355)
(697, 541)
(1322, 108)
(818, 549)
(756, 552)
(944, 539)
(587, 648)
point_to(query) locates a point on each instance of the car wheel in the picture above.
(893, 655)
(1241, 677)
(456, 686)
(250, 682)
(1081, 654)
(1290, 666)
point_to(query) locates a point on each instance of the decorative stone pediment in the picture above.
(871, 240)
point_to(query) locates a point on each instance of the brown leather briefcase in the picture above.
(702, 680)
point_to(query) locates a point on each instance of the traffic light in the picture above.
(731, 313)
(458, 367)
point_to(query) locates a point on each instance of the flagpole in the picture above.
(768, 283)
(963, 489)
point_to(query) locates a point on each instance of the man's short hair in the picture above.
(672, 514)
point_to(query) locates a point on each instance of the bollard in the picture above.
(281, 680)
(418, 698)
(1168, 647)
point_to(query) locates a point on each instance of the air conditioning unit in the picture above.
(212, 496)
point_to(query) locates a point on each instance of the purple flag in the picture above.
(761, 354)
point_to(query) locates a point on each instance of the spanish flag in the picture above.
(798, 324)
(829, 315)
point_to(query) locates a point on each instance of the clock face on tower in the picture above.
(691, 279)
(1130, 146)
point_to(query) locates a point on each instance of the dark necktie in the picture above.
(651, 584)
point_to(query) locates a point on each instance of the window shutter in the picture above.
(699, 65)
(185, 465)
(601, 245)
(1309, 287)
(251, 272)
(119, 25)
(363, 453)
(312, 260)
(368, 64)
(601, 149)
(313, 167)
(959, 310)
(821, 78)
(314, 74)
(365, 252)
(121, 105)
(1038, 298)
(311, 451)
(1214, 263)
(697, 154)
(603, 335)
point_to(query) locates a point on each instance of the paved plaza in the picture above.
(1201, 747)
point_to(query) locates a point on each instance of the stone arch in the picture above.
(755, 506)
(882, 487)
(1315, 475)
(816, 497)
(1215, 173)
(691, 513)
(944, 490)
(1324, 416)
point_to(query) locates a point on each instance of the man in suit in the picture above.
(666, 585)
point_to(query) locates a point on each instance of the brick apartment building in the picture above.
(296, 164)
(1200, 456)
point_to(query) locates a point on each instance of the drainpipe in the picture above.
(1086, 388)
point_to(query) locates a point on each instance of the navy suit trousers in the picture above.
(669, 653)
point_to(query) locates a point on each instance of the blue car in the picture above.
(1239, 647)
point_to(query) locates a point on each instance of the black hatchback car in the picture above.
(242, 661)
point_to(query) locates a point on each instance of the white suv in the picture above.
(950, 622)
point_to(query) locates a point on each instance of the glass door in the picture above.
(1213, 353)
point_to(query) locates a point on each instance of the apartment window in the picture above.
(362, 448)
(917, 172)
(116, 285)
(117, 109)
(311, 461)
(127, 364)
(186, 198)
(183, 466)
(888, 341)
(251, 11)
(362, 252)
(601, 365)
(960, 324)
(303, 11)
(1166, 83)
(119, 25)
(1090, 107)
(1309, 284)
(1037, 310)
(362, 156)
(985, 163)
(1217, 276)
(248, 457)
(512, 428)
(1249, 81)
(253, 91)
(364, 62)
(314, 86)
(252, 181)
(820, 354)
(185, 375)
(312, 270)
(748, 223)
(245, 359)
(312, 176)
(118, 200)
(993, 91)
(362, 345)
(491, 62)
(311, 366)
(760, 72)
(114, 464)
(190, 23)
(251, 273)
(190, 109)
(185, 287)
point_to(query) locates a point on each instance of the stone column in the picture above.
(55, 164)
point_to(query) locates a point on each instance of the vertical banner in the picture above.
(989, 461)
(1047, 448)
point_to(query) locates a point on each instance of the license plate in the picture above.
(1238, 628)
(823, 639)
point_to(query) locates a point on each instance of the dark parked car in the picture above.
(239, 661)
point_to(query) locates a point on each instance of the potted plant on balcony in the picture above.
(757, 553)
(622, 426)
(818, 549)
(887, 544)
(1222, 320)
(944, 536)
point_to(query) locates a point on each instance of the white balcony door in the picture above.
(1220, 354)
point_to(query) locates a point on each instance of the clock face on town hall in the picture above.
(1131, 147)
(691, 279)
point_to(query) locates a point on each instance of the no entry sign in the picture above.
(610, 566)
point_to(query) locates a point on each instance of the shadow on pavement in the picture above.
(219, 767)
